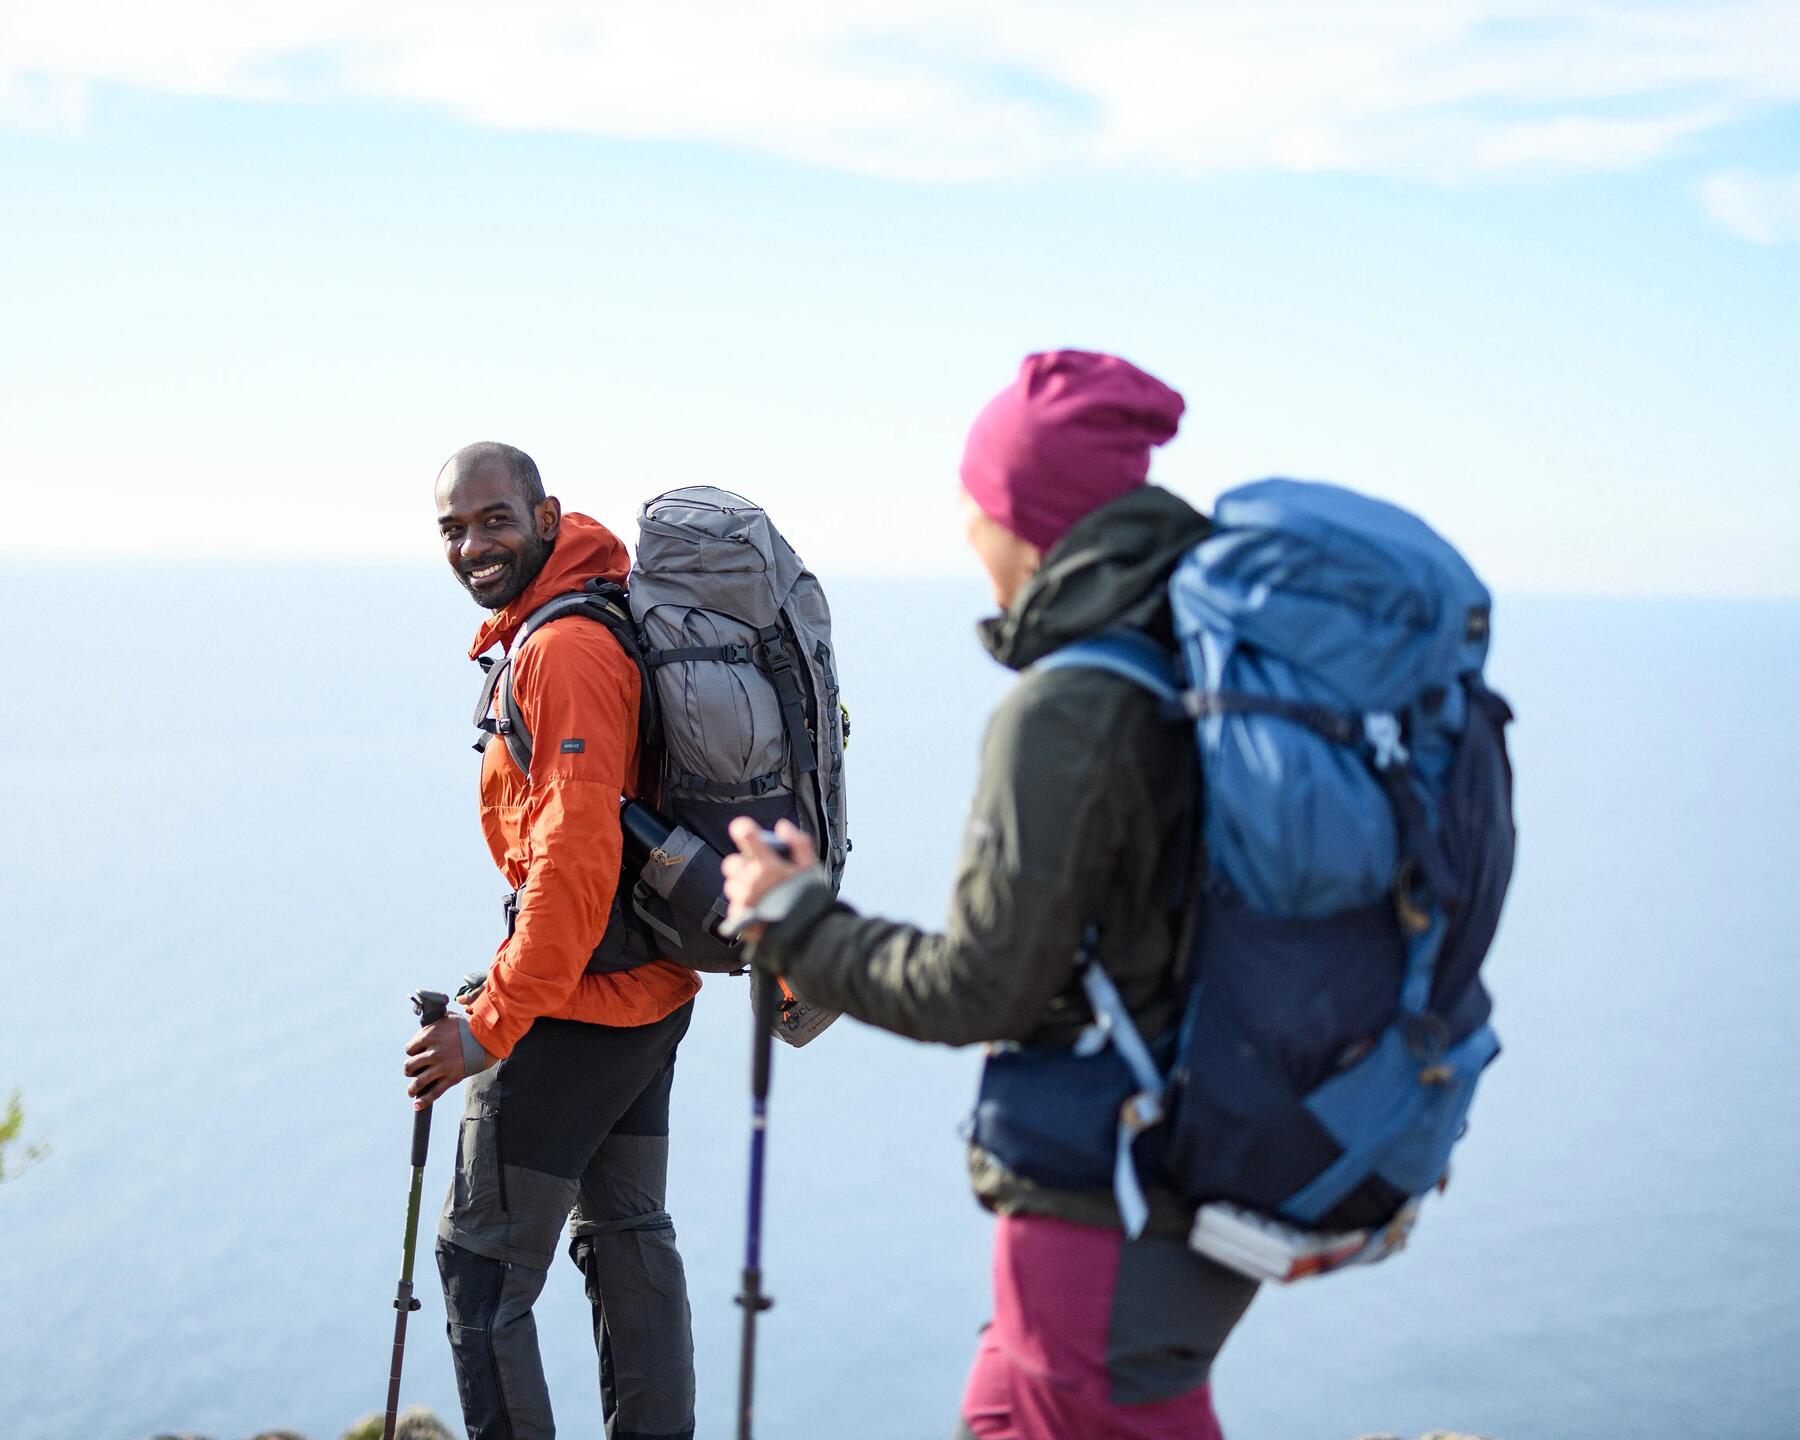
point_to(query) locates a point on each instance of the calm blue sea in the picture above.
(238, 829)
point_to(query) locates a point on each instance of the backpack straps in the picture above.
(779, 665)
(599, 600)
(1134, 656)
(495, 669)
(738, 654)
(1114, 1026)
(1129, 654)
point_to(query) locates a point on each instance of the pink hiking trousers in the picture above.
(1041, 1370)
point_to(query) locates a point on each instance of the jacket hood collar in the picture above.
(1108, 571)
(585, 550)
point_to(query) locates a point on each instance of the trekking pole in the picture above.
(429, 1006)
(751, 1297)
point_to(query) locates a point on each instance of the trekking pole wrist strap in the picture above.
(789, 911)
(474, 1055)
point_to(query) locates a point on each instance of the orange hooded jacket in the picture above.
(557, 833)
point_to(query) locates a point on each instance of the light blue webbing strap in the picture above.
(1421, 965)
(1126, 653)
(1113, 1024)
(1424, 926)
(1370, 1112)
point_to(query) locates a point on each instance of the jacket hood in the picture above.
(1109, 571)
(585, 550)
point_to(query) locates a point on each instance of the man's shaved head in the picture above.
(516, 462)
(496, 523)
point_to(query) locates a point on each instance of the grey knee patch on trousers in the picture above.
(1171, 1313)
(505, 1212)
(522, 1231)
(627, 1178)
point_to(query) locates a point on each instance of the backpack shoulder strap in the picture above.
(599, 600)
(1129, 654)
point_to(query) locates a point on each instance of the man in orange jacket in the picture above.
(571, 1039)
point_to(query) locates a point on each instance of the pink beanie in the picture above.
(1074, 431)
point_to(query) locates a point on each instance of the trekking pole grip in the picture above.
(430, 1006)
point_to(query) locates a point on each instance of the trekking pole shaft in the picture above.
(430, 1007)
(421, 1137)
(404, 1304)
(761, 1057)
(752, 1298)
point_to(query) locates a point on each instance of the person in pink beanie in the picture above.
(1074, 431)
(1081, 820)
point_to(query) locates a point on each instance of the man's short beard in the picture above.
(529, 566)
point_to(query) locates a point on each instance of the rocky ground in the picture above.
(420, 1424)
(417, 1423)
(1433, 1435)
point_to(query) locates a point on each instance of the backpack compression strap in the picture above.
(777, 663)
(598, 600)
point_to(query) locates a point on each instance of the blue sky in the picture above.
(1537, 276)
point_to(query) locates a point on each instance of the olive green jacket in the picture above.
(1083, 816)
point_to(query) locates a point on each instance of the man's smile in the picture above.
(486, 574)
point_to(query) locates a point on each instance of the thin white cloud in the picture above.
(42, 104)
(933, 89)
(1763, 209)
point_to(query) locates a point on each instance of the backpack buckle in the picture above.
(774, 648)
(1382, 731)
(1427, 1036)
(1412, 898)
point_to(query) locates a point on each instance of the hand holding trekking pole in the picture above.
(759, 866)
(434, 1058)
(430, 1006)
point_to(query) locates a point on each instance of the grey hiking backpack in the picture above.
(737, 636)
(740, 715)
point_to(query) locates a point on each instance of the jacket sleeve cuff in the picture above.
(482, 1025)
(475, 1058)
(790, 911)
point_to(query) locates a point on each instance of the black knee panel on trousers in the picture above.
(493, 1341)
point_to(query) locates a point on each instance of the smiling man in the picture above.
(571, 1037)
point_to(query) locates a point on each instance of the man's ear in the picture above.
(549, 518)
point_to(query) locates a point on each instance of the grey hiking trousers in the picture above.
(572, 1126)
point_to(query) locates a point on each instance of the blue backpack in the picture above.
(1357, 829)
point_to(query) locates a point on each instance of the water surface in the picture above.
(239, 829)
